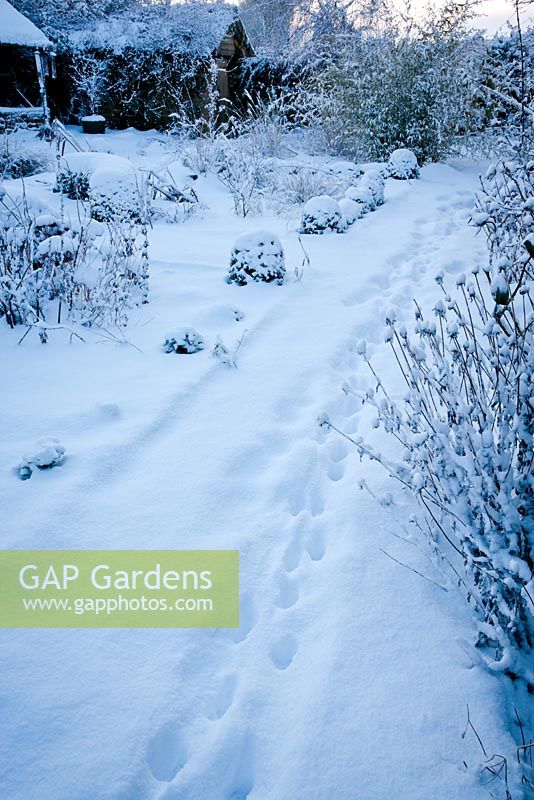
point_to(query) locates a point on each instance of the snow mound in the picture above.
(347, 170)
(88, 163)
(374, 181)
(184, 341)
(56, 245)
(108, 181)
(350, 210)
(322, 214)
(403, 165)
(47, 453)
(81, 172)
(363, 196)
(257, 256)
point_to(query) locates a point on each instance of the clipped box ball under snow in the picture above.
(351, 210)
(257, 256)
(363, 196)
(374, 181)
(107, 181)
(322, 214)
(402, 165)
(184, 341)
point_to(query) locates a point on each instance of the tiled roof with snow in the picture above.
(182, 27)
(15, 28)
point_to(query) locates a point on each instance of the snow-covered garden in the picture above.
(239, 333)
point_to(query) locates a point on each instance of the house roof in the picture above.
(184, 27)
(17, 29)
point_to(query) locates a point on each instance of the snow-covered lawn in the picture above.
(347, 679)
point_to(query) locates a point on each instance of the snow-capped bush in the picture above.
(466, 423)
(47, 225)
(47, 453)
(73, 184)
(184, 341)
(351, 210)
(322, 214)
(402, 164)
(242, 170)
(363, 196)
(374, 181)
(257, 256)
(345, 170)
(78, 269)
(114, 195)
(108, 182)
(19, 161)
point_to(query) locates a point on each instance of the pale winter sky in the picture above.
(494, 13)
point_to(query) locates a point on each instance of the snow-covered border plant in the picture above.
(52, 269)
(466, 423)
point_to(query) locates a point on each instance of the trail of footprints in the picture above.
(303, 493)
(403, 269)
(304, 497)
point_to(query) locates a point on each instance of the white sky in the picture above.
(494, 13)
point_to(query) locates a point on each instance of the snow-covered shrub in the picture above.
(47, 225)
(402, 164)
(184, 341)
(374, 181)
(109, 183)
(18, 161)
(114, 195)
(351, 210)
(80, 269)
(322, 214)
(47, 453)
(257, 256)
(346, 171)
(397, 85)
(466, 423)
(89, 72)
(363, 196)
(73, 184)
(242, 170)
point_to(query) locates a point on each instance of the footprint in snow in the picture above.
(337, 450)
(288, 592)
(242, 768)
(294, 551)
(166, 754)
(335, 471)
(283, 651)
(316, 543)
(303, 492)
(247, 618)
(223, 698)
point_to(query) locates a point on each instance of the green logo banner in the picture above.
(119, 588)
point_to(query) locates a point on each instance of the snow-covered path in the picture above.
(345, 679)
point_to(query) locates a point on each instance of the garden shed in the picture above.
(26, 61)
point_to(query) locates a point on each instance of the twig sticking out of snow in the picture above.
(224, 354)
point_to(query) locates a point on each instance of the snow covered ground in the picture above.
(347, 678)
